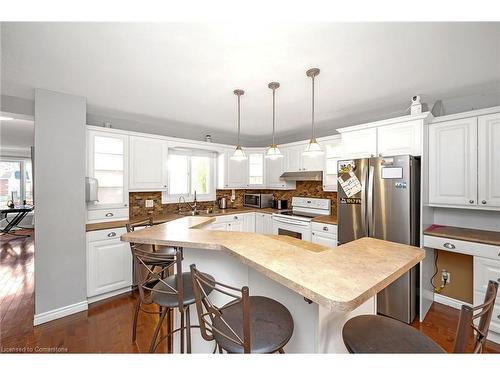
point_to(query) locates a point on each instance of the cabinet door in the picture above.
(237, 173)
(109, 266)
(359, 144)
(249, 222)
(217, 226)
(453, 162)
(268, 224)
(148, 164)
(259, 223)
(327, 241)
(236, 226)
(274, 169)
(489, 160)
(312, 163)
(400, 139)
(293, 156)
(108, 163)
(333, 153)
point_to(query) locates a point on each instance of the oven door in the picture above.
(293, 228)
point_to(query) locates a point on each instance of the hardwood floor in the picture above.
(106, 326)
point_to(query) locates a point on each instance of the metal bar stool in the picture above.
(379, 334)
(170, 292)
(138, 271)
(246, 324)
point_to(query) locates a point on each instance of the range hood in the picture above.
(303, 176)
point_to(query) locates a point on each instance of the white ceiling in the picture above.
(187, 72)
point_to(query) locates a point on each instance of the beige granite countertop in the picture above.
(326, 219)
(160, 219)
(340, 278)
(465, 234)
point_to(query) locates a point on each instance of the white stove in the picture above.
(297, 221)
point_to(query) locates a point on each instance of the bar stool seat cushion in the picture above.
(379, 334)
(271, 326)
(171, 300)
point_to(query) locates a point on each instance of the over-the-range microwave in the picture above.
(258, 200)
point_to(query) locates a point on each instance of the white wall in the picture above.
(466, 218)
(60, 201)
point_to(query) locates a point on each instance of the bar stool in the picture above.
(138, 275)
(379, 334)
(174, 291)
(246, 324)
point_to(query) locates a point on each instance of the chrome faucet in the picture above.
(179, 203)
(194, 206)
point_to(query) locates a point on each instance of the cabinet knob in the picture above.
(471, 201)
(498, 317)
(483, 202)
(449, 245)
(236, 218)
(325, 229)
(111, 234)
(109, 214)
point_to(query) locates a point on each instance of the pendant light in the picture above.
(273, 152)
(239, 154)
(313, 148)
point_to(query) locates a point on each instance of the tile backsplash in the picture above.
(311, 189)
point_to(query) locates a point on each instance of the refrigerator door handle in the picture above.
(363, 201)
(369, 201)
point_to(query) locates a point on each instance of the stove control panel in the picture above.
(317, 203)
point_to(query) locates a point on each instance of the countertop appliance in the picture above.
(222, 202)
(257, 200)
(280, 204)
(297, 221)
(387, 207)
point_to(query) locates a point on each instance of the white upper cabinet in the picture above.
(359, 143)
(403, 138)
(236, 172)
(333, 153)
(489, 160)
(312, 163)
(274, 169)
(148, 164)
(293, 156)
(453, 162)
(107, 161)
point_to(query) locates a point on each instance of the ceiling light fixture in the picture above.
(273, 152)
(313, 148)
(239, 154)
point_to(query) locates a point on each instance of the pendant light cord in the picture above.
(274, 115)
(238, 120)
(312, 110)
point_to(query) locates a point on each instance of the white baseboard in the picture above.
(109, 294)
(60, 312)
(448, 301)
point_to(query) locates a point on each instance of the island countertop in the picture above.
(339, 279)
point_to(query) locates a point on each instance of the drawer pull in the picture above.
(471, 201)
(449, 245)
(112, 234)
(236, 218)
(109, 214)
(325, 229)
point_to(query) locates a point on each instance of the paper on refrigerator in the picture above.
(351, 185)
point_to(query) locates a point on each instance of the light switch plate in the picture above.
(149, 203)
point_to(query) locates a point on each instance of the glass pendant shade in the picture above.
(273, 152)
(239, 154)
(313, 149)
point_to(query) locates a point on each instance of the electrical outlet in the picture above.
(446, 275)
(149, 203)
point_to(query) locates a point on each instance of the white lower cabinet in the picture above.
(109, 262)
(234, 223)
(263, 223)
(324, 234)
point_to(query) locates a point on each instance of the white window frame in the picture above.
(22, 179)
(189, 197)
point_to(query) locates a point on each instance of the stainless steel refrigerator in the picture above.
(380, 198)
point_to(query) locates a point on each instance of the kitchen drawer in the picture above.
(229, 218)
(97, 216)
(324, 228)
(485, 270)
(463, 247)
(495, 317)
(99, 235)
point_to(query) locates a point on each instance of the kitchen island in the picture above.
(322, 287)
